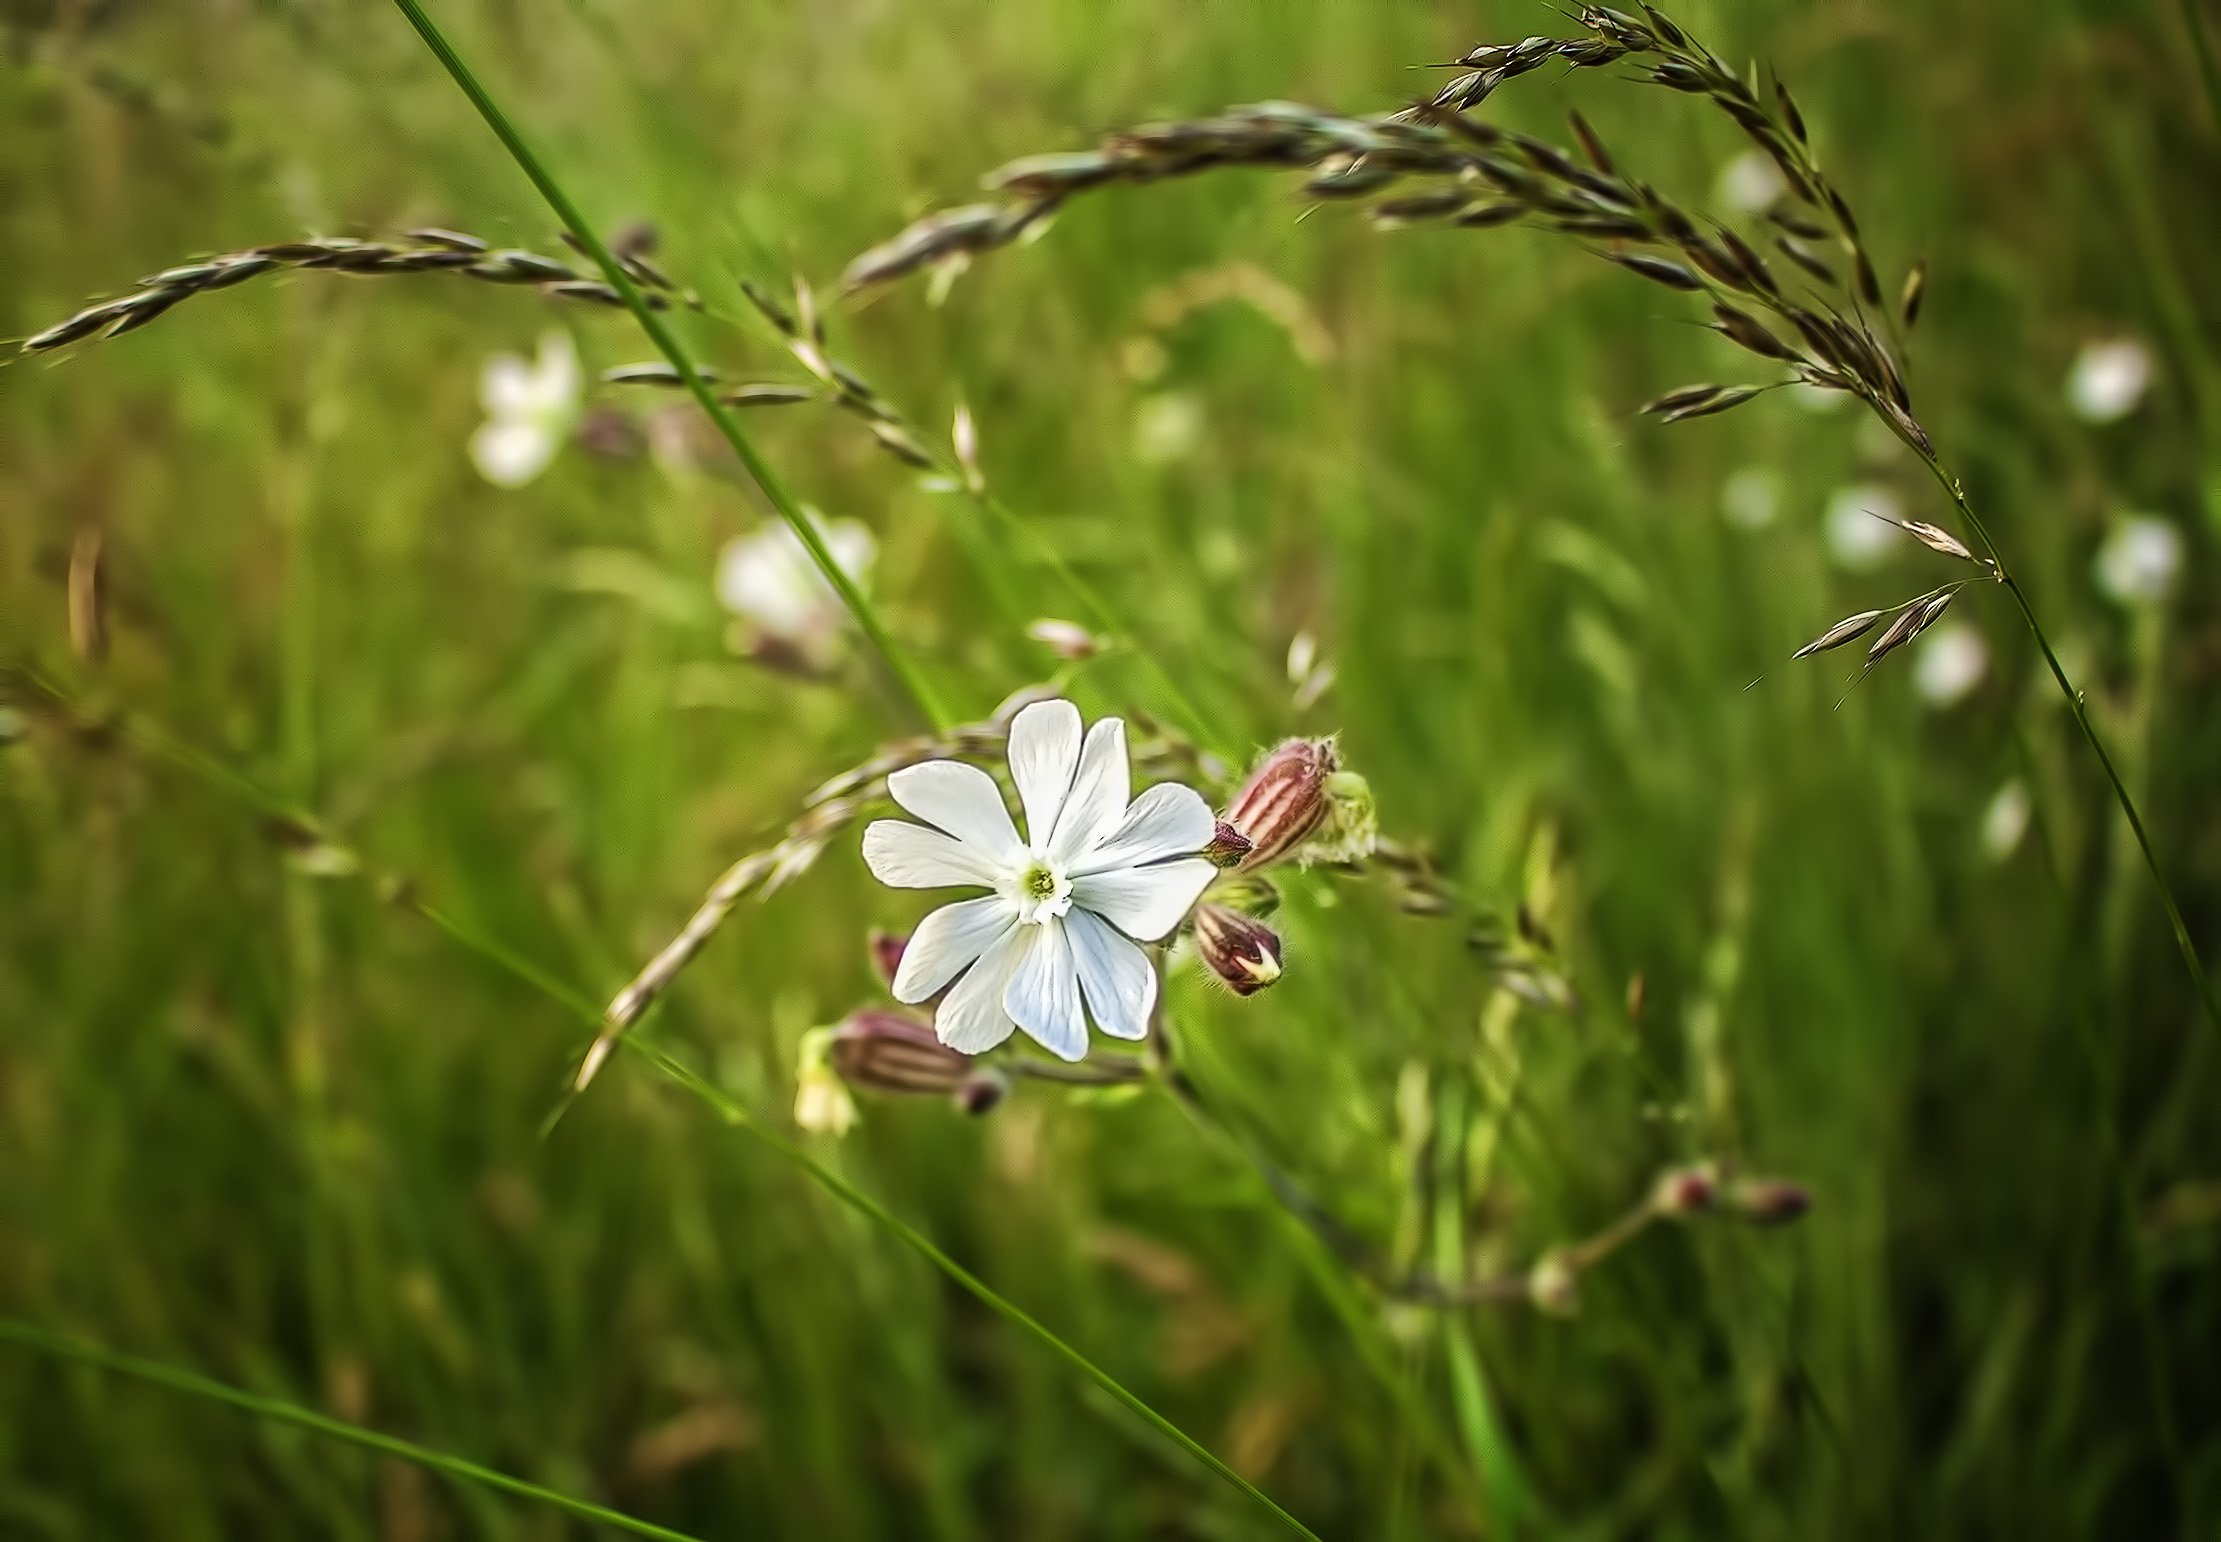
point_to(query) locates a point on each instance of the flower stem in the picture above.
(31, 1336)
(667, 343)
(2081, 711)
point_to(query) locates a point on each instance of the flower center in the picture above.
(1039, 889)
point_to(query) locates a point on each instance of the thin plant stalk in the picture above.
(666, 341)
(2081, 712)
(277, 1411)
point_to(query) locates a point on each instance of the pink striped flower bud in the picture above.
(1768, 1201)
(1241, 950)
(892, 1052)
(1283, 801)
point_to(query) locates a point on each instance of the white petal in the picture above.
(970, 1018)
(1044, 752)
(510, 453)
(1099, 792)
(902, 855)
(505, 387)
(948, 942)
(1043, 997)
(1167, 820)
(1144, 902)
(960, 799)
(556, 381)
(1120, 983)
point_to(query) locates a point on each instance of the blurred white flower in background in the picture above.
(1750, 498)
(767, 580)
(2108, 379)
(531, 409)
(1749, 184)
(1167, 427)
(2138, 563)
(1950, 663)
(2005, 821)
(1862, 526)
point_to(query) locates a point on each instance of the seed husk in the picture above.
(1849, 629)
(1936, 538)
(1915, 290)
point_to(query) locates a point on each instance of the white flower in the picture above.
(1749, 184)
(1952, 662)
(768, 580)
(530, 411)
(2139, 560)
(2108, 379)
(1751, 498)
(1168, 427)
(1862, 527)
(2006, 820)
(1054, 926)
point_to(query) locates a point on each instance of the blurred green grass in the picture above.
(264, 1125)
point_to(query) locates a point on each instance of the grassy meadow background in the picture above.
(264, 1122)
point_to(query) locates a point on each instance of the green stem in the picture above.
(667, 343)
(2089, 729)
(32, 1337)
(2201, 44)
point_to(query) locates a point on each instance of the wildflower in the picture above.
(1749, 184)
(1284, 799)
(530, 410)
(2005, 821)
(1952, 662)
(1241, 950)
(1068, 640)
(769, 581)
(2139, 560)
(893, 1052)
(1168, 427)
(1767, 1201)
(2108, 379)
(821, 1101)
(1065, 907)
(1862, 527)
(1750, 498)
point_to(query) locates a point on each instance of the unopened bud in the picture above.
(890, 1051)
(1228, 846)
(1768, 1201)
(981, 1091)
(1351, 829)
(886, 954)
(1241, 950)
(1686, 1190)
(821, 1102)
(1283, 800)
(1552, 1285)
(1065, 639)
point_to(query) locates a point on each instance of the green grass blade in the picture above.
(920, 689)
(191, 1384)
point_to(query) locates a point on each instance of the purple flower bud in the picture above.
(981, 1091)
(1686, 1190)
(892, 1052)
(1283, 800)
(1228, 847)
(886, 954)
(1768, 1201)
(1241, 950)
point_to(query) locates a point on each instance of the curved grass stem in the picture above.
(2081, 712)
(277, 1411)
(666, 341)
